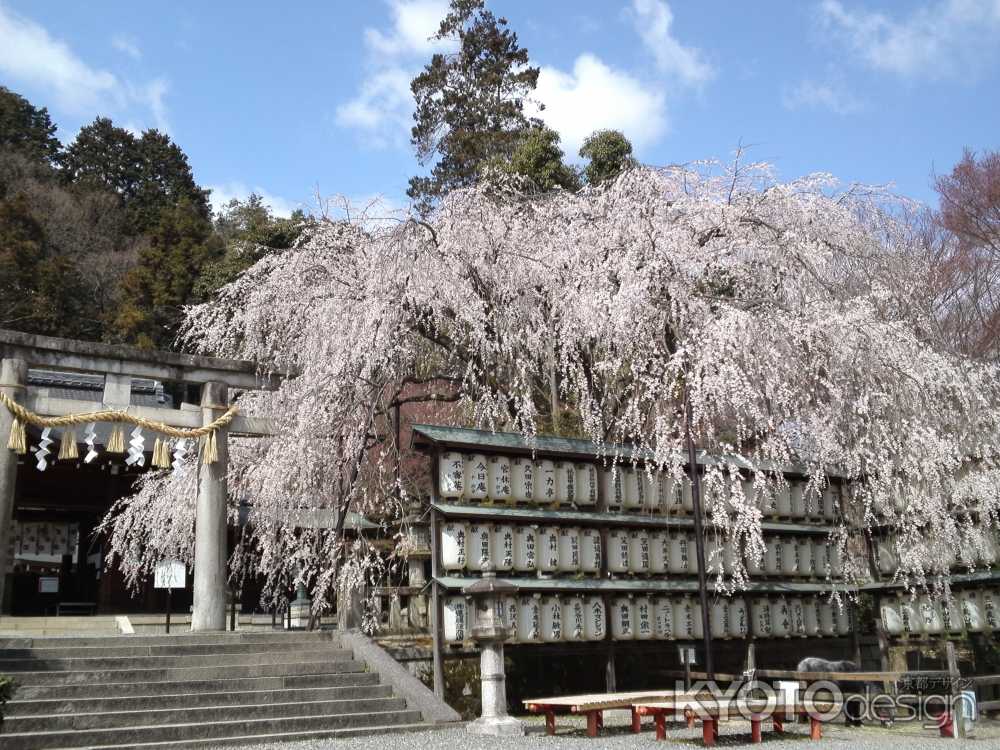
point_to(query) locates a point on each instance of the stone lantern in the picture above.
(489, 633)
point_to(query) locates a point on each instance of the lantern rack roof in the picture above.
(635, 586)
(956, 579)
(497, 513)
(426, 437)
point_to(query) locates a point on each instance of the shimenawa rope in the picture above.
(18, 440)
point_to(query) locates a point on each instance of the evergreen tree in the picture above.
(469, 103)
(148, 173)
(154, 292)
(25, 128)
(39, 292)
(539, 157)
(610, 153)
(250, 231)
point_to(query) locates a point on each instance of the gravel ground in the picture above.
(571, 734)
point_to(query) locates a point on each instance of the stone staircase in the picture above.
(192, 690)
(27, 627)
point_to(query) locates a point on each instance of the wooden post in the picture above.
(210, 553)
(957, 705)
(699, 536)
(13, 383)
(610, 678)
(435, 618)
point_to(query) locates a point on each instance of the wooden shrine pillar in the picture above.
(210, 549)
(13, 380)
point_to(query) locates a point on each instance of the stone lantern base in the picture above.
(494, 720)
(496, 726)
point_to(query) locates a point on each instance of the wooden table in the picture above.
(594, 705)
(711, 711)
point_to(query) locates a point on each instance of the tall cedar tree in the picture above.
(181, 244)
(469, 103)
(25, 128)
(39, 291)
(149, 173)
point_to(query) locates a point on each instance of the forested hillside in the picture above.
(108, 236)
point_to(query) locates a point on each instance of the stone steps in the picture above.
(262, 654)
(168, 687)
(192, 690)
(174, 639)
(142, 734)
(87, 652)
(55, 706)
(198, 714)
(285, 736)
(94, 677)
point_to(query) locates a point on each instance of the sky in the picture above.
(309, 100)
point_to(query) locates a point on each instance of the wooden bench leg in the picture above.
(945, 725)
(661, 725)
(755, 729)
(779, 725)
(550, 722)
(709, 731)
(815, 728)
(593, 717)
(689, 715)
(636, 721)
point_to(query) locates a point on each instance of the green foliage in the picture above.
(179, 246)
(110, 237)
(25, 128)
(539, 157)
(250, 231)
(469, 103)
(7, 686)
(39, 292)
(609, 152)
(148, 173)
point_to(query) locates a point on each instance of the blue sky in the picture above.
(295, 100)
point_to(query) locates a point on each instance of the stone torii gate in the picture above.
(118, 365)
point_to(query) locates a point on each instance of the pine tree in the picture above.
(181, 244)
(26, 128)
(470, 102)
(148, 173)
(610, 153)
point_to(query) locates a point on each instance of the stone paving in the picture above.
(571, 734)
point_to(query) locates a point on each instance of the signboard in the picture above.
(686, 654)
(48, 585)
(170, 574)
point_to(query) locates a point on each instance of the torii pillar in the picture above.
(210, 552)
(13, 377)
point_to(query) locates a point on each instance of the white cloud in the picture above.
(595, 96)
(381, 110)
(939, 39)
(414, 22)
(153, 94)
(126, 45)
(225, 192)
(815, 95)
(29, 55)
(652, 20)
